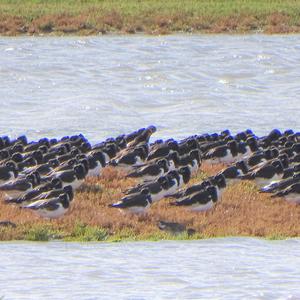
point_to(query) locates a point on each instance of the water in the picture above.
(183, 84)
(231, 268)
(104, 86)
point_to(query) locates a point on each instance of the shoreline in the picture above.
(93, 17)
(37, 32)
(242, 212)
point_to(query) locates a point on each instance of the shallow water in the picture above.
(231, 268)
(183, 84)
(103, 86)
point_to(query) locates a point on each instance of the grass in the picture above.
(242, 211)
(86, 17)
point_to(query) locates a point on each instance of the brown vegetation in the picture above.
(158, 23)
(241, 212)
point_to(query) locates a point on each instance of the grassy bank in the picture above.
(150, 16)
(241, 212)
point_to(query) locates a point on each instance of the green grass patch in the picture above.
(40, 234)
(85, 233)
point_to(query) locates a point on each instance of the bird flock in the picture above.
(43, 176)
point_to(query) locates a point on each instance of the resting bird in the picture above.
(18, 187)
(137, 203)
(200, 201)
(51, 208)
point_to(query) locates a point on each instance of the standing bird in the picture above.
(265, 175)
(290, 194)
(151, 172)
(281, 185)
(72, 177)
(51, 208)
(137, 203)
(200, 201)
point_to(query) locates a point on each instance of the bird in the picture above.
(200, 201)
(42, 169)
(72, 177)
(191, 190)
(143, 137)
(193, 160)
(55, 193)
(8, 172)
(158, 189)
(175, 228)
(131, 159)
(184, 175)
(281, 185)
(219, 182)
(232, 173)
(21, 186)
(28, 196)
(172, 227)
(136, 204)
(163, 150)
(290, 194)
(51, 208)
(96, 162)
(223, 154)
(265, 174)
(152, 171)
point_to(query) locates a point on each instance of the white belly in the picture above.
(54, 214)
(194, 168)
(75, 184)
(152, 177)
(158, 196)
(261, 182)
(171, 191)
(95, 172)
(201, 207)
(15, 194)
(293, 198)
(136, 209)
(228, 159)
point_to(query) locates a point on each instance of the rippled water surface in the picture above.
(231, 268)
(103, 86)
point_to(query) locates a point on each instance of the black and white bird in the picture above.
(131, 159)
(151, 172)
(265, 175)
(96, 162)
(42, 169)
(163, 150)
(74, 177)
(55, 193)
(281, 185)
(233, 173)
(192, 160)
(18, 187)
(51, 208)
(137, 203)
(223, 154)
(290, 194)
(162, 187)
(8, 172)
(200, 201)
(219, 182)
(182, 194)
(26, 198)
